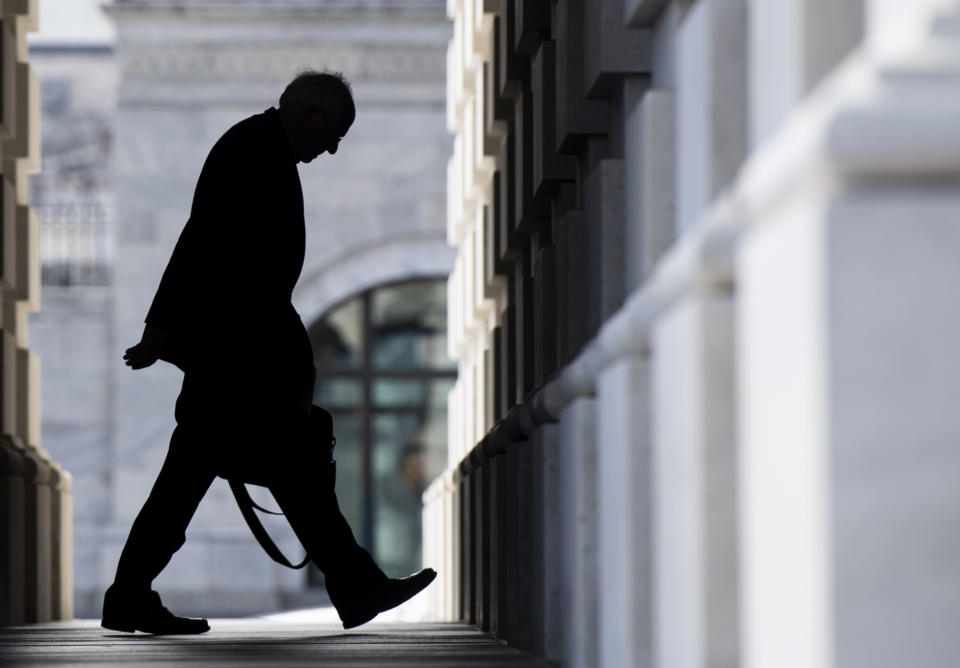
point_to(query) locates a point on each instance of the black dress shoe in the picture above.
(144, 612)
(384, 596)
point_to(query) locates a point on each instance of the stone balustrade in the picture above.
(751, 459)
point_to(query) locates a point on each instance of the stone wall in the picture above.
(36, 559)
(701, 308)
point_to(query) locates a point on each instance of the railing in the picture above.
(700, 478)
(76, 246)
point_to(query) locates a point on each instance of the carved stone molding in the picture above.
(201, 63)
(290, 6)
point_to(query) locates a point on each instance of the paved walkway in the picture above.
(279, 642)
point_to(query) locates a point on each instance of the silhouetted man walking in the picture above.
(223, 314)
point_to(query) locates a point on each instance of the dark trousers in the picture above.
(308, 503)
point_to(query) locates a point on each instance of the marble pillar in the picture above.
(694, 472)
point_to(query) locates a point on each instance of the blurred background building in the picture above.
(130, 110)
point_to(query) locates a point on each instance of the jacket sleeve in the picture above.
(184, 280)
(174, 294)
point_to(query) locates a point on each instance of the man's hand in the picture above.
(152, 345)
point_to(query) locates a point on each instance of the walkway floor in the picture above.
(263, 642)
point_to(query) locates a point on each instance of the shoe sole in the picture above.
(129, 628)
(118, 627)
(407, 595)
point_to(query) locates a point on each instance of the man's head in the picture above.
(317, 109)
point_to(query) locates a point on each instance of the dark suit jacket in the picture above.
(224, 297)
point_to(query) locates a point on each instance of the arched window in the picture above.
(383, 371)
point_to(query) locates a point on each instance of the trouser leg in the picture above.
(159, 529)
(308, 500)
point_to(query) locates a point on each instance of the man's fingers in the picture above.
(138, 360)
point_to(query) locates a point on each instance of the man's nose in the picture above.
(333, 148)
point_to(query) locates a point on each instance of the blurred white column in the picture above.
(793, 43)
(694, 484)
(711, 103)
(624, 509)
(784, 472)
(649, 154)
(851, 375)
(578, 508)
(848, 330)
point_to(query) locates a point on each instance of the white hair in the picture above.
(311, 88)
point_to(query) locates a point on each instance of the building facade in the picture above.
(36, 561)
(177, 76)
(703, 319)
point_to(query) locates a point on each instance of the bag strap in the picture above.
(247, 505)
(267, 511)
(322, 425)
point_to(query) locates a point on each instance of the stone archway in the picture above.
(359, 269)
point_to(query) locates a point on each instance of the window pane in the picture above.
(409, 450)
(399, 480)
(398, 393)
(348, 453)
(332, 393)
(337, 338)
(407, 415)
(435, 430)
(409, 323)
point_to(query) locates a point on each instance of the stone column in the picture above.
(447, 535)
(711, 103)
(468, 557)
(511, 543)
(526, 545)
(694, 484)
(534, 608)
(850, 431)
(849, 366)
(784, 374)
(549, 641)
(496, 549)
(578, 509)
(482, 516)
(61, 606)
(624, 503)
(456, 528)
(28, 516)
(38, 544)
(793, 43)
(650, 152)
(12, 515)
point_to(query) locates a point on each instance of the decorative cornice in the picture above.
(322, 5)
(329, 9)
(198, 63)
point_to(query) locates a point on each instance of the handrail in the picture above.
(701, 260)
(831, 136)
